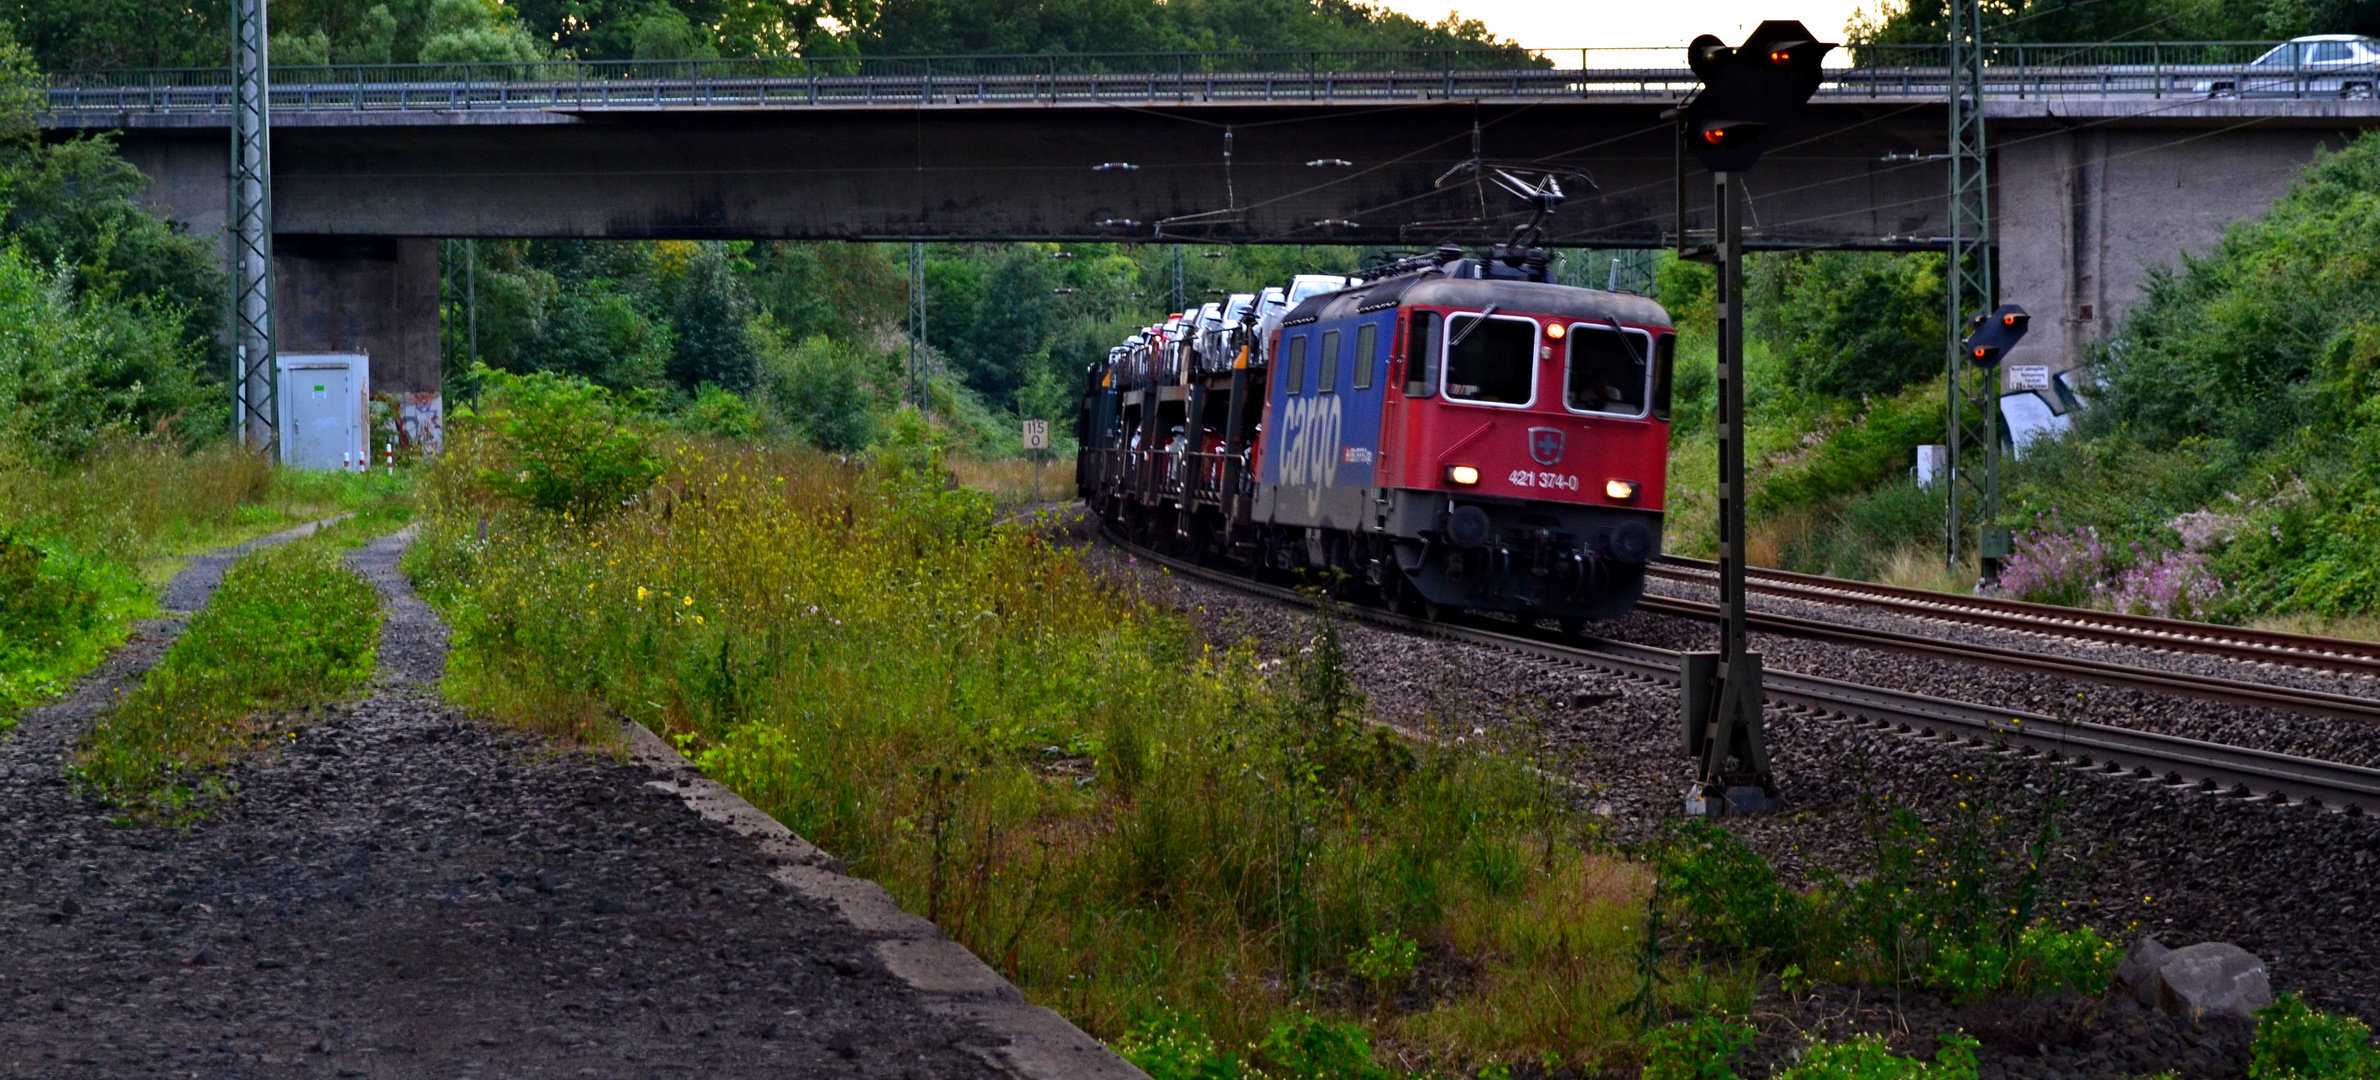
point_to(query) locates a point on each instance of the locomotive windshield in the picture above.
(1494, 363)
(1607, 370)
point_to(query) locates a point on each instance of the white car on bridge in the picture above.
(2317, 65)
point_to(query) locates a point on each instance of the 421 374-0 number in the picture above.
(1547, 480)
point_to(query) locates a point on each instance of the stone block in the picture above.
(2213, 978)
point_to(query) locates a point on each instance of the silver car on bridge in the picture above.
(2317, 65)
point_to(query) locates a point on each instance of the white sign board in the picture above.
(2028, 377)
(1933, 464)
(1037, 434)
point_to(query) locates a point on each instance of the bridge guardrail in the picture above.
(2148, 69)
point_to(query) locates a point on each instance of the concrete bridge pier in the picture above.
(373, 295)
(2087, 210)
(335, 293)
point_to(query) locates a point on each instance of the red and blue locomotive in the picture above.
(1442, 432)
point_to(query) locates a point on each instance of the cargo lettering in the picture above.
(1310, 435)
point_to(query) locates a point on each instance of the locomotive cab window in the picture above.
(1421, 354)
(1607, 370)
(1493, 363)
(1367, 338)
(1328, 382)
(1293, 376)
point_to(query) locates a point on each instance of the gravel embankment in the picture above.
(2294, 885)
(404, 892)
(2330, 738)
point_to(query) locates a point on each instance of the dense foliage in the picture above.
(1187, 850)
(111, 408)
(812, 334)
(2237, 422)
(81, 35)
(107, 314)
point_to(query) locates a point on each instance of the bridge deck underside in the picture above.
(1005, 173)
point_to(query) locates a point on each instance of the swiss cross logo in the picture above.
(1545, 445)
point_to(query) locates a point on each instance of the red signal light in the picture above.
(1780, 57)
(1715, 136)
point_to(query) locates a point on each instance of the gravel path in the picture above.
(2297, 886)
(402, 891)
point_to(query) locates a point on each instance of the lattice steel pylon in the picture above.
(1972, 494)
(251, 183)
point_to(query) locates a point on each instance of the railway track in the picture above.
(2147, 757)
(2116, 628)
(2085, 624)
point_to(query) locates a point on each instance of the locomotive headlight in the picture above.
(1555, 331)
(1462, 474)
(1620, 490)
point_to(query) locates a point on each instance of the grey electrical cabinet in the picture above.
(326, 410)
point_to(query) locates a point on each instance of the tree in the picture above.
(708, 309)
(1086, 26)
(476, 32)
(1846, 323)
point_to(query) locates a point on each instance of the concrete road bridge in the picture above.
(2107, 160)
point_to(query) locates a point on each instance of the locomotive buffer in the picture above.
(1746, 94)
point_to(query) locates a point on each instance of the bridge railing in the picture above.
(2031, 70)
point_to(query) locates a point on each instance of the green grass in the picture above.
(85, 547)
(1173, 846)
(291, 628)
(1209, 858)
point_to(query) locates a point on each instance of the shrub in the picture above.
(1852, 457)
(562, 445)
(1948, 906)
(2295, 1041)
(1302, 1046)
(2267, 333)
(720, 412)
(2173, 585)
(1859, 537)
(1386, 960)
(1730, 898)
(1869, 1057)
(1169, 1047)
(1704, 1048)
(1062, 777)
(1848, 323)
(2055, 567)
(833, 393)
(75, 373)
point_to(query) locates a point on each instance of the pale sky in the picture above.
(1571, 24)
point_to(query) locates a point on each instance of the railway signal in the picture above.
(1748, 91)
(1747, 94)
(1992, 335)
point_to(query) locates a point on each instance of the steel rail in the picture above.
(2233, 691)
(2140, 631)
(2151, 757)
